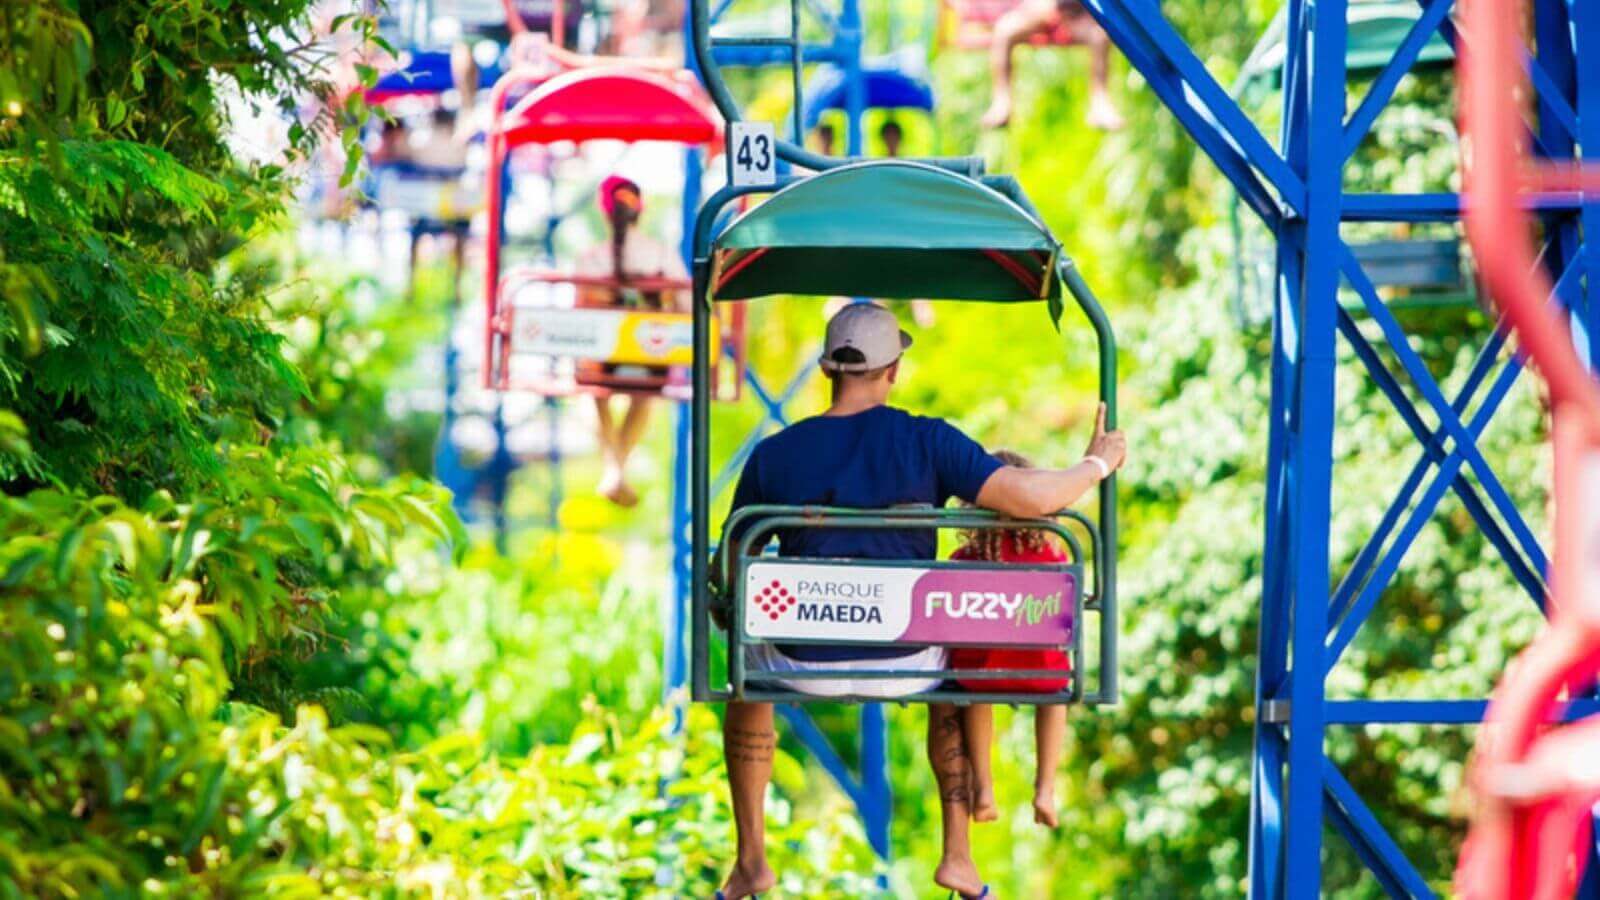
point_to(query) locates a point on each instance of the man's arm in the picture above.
(1031, 493)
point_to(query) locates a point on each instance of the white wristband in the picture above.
(1102, 465)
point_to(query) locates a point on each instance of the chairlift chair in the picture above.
(438, 199)
(1415, 271)
(928, 232)
(589, 350)
(885, 86)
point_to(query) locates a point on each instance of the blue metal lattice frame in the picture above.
(1297, 188)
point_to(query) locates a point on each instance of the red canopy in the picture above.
(614, 104)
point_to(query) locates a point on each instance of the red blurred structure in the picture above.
(590, 99)
(1534, 783)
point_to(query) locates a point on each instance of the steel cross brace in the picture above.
(774, 413)
(1201, 104)
(1383, 857)
(1345, 600)
(869, 791)
(1450, 421)
(1298, 191)
(1359, 125)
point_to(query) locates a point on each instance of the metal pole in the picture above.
(1311, 441)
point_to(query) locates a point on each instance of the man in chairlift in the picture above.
(862, 453)
(627, 254)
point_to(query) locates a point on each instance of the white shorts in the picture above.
(768, 658)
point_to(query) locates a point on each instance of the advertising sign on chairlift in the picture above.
(752, 154)
(1011, 606)
(608, 335)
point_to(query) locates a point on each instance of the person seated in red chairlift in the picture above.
(862, 453)
(628, 254)
(1034, 17)
(1020, 545)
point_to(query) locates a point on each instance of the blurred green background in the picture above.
(251, 652)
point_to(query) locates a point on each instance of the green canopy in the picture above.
(1376, 28)
(891, 229)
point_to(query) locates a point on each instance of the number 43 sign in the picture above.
(752, 156)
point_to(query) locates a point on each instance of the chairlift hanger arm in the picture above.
(787, 150)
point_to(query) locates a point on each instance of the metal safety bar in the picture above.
(758, 525)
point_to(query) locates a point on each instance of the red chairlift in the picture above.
(612, 350)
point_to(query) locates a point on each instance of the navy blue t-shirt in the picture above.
(878, 458)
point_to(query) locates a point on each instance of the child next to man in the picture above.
(1014, 545)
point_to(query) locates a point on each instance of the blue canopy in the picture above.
(424, 72)
(886, 88)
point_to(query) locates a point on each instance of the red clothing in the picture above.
(1014, 657)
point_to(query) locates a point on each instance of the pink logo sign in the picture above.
(994, 607)
(973, 606)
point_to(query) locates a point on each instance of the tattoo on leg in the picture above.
(749, 746)
(951, 767)
(954, 789)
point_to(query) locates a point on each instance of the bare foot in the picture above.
(959, 875)
(984, 809)
(998, 115)
(1103, 114)
(1044, 805)
(742, 883)
(615, 488)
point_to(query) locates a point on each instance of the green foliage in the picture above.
(127, 773)
(243, 660)
(125, 629)
(353, 348)
(121, 348)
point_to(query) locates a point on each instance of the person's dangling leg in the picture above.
(1103, 113)
(1049, 737)
(606, 436)
(748, 742)
(465, 75)
(977, 730)
(628, 435)
(953, 771)
(1017, 25)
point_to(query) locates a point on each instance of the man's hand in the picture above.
(1111, 447)
(1030, 493)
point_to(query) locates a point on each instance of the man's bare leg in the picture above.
(1017, 25)
(1049, 736)
(748, 742)
(977, 730)
(952, 770)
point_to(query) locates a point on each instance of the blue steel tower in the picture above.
(1309, 612)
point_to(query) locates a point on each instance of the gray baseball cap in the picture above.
(862, 337)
